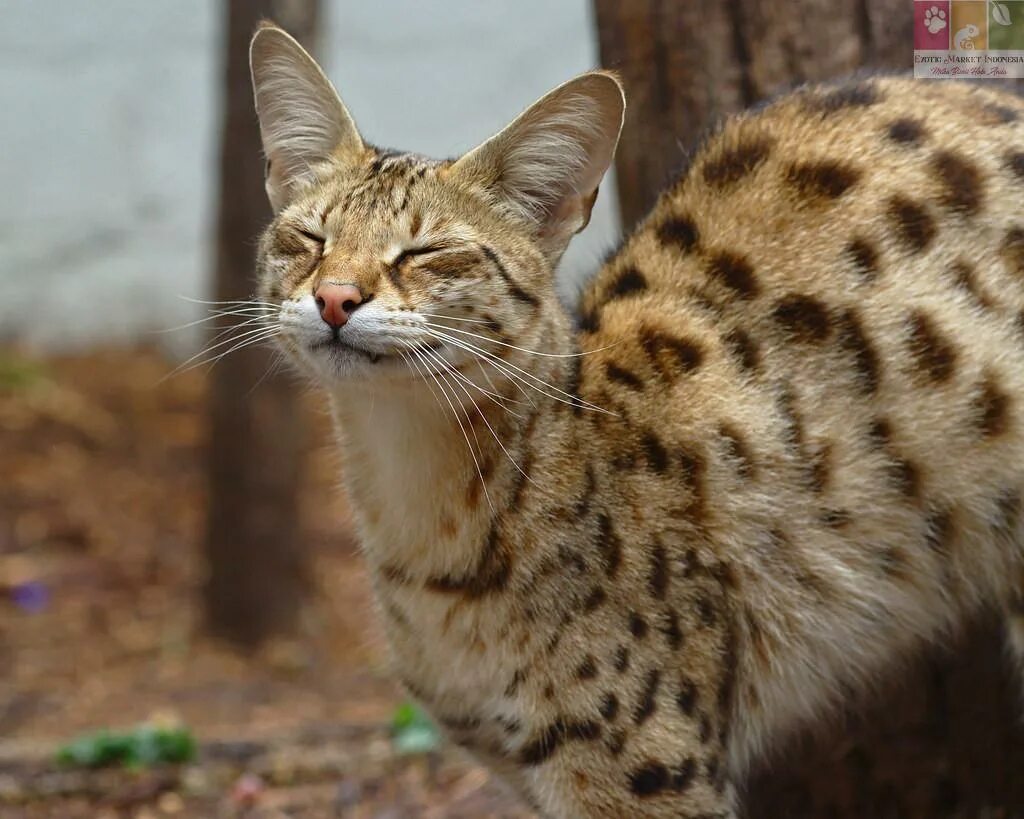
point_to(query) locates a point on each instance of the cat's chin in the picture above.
(334, 363)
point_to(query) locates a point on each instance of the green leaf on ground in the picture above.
(144, 746)
(412, 732)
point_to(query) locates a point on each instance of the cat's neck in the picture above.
(429, 464)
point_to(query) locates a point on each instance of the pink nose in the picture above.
(337, 302)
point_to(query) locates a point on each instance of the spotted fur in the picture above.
(620, 556)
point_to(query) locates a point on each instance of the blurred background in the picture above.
(185, 624)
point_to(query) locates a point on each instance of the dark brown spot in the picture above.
(995, 114)
(540, 749)
(854, 341)
(906, 477)
(706, 610)
(609, 545)
(679, 233)
(623, 376)
(517, 680)
(733, 163)
(627, 283)
(693, 468)
(822, 180)
(655, 452)
(880, 432)
(894, 561)
(637, 625)
(744, 348)
(836, 518)
(965, 277)
(1015, 164)
(737, 450)
(820, 469)
(686, 698)
(864, 256)
(735, 272)
(793, 430)
(648, 701)
(609, 706)
(621, 661)
(683, 776)
(587, 669)
(659, 572)
(960, 182)
(1013, 249)
(906, 131)
(673, 633)
(595, 599)
(992, 407)
(939, 531)
(935, 356)
(616, 742)
(671, 356)
(914, 226)
(649, 779)
(804, 318)
(705, 729)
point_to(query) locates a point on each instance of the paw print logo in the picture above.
(934, 20)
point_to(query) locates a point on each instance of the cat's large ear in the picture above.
(545, 167)
(303, 122)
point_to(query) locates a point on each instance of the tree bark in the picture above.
(943, 739)
(257, 575)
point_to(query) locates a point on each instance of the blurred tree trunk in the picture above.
(257, 574)
(944, 740)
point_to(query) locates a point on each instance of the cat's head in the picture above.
(374, 253)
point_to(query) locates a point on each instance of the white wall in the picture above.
(108, 138)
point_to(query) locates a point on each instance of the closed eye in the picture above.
(311, 236)
(409, 253)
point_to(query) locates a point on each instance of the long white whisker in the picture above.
(192, 362)
(575, 401)
(240, 302)
(482, 415)
(216, 314)
(472, 453)
(494, 397)
(453, 318)
(269, 333)
(521, 349)
(415, 364)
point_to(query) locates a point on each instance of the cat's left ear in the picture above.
(545, 167)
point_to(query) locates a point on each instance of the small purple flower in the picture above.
(32, 596)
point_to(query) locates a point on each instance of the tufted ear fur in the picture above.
(303, 122)
(545, 167)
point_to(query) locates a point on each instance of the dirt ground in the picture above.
(101, 508)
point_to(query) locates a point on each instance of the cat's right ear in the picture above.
(303, 121)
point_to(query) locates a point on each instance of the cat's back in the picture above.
(818, 332)
(853, 241)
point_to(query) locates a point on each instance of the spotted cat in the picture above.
(620, 555)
